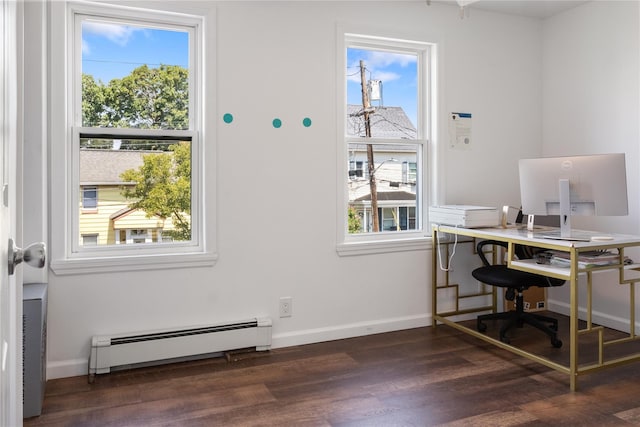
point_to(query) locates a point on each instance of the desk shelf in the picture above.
(545, 269)
(565, 272)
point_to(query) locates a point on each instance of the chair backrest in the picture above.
(482, 244)
(522, 252)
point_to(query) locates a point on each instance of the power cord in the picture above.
(453, 252)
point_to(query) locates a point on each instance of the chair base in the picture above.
(519, 317)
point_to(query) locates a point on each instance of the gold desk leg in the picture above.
(573, 328)
(434, 276)
(632, 309)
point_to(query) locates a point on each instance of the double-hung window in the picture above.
(386, 110)
(130, 144)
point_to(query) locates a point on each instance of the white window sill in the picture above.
(132, 263)
(383, 246)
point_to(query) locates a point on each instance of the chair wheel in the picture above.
(556, 343)
(481, 327)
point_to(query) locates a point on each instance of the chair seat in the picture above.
(515, 281)
(505, 277)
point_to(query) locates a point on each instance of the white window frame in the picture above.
(67, 255)
(383, 242)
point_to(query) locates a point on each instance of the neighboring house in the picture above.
(386, 122)
(105, 216)
(394, 169)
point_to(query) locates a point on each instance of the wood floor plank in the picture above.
(632, 416)
(507, 418)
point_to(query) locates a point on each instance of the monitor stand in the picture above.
(565, 218)
(565, 209)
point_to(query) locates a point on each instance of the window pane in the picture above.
(388, 181)
(384, 134)
(89, 239)
(390, 105)
(143, 189)
(89, 197)
(134, 76)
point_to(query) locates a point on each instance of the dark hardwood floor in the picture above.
(418, 377)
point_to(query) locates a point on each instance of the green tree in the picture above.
(93, 101)
(148, 98)
(355, 223)
(163, 188)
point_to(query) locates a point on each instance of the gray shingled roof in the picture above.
(105, 166)
(388, 195)
(386, 122)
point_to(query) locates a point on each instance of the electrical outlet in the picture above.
(286, 306)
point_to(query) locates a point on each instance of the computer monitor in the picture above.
(574, 185)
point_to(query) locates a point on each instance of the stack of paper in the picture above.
(465, 216)
(585, 259)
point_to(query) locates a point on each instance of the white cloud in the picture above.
(118, 34)
(385, 59)
(375, 74)
(377, 64)
(86, 50)
(387, 76)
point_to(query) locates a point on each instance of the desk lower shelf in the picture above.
(564, 272)
(545, 269)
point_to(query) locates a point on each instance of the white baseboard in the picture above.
(80, 367)
(597, 317)
(67, 368)
(352, 330)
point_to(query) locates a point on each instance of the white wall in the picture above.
(276, 187)
(591, 104)
(492, 70)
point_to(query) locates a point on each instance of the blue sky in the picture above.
(398, 73)
(112, 51)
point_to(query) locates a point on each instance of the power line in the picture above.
(106, 61)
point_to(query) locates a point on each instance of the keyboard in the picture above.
(576, 236)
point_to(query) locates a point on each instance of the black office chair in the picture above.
(515, 282)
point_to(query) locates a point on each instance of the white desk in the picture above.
(520, 236)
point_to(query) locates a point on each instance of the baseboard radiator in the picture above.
(111, 351)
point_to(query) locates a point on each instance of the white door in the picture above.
(10, 380)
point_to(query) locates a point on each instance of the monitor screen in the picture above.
(574, 185)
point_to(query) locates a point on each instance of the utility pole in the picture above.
(366, 106)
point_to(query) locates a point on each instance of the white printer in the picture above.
(465, 216)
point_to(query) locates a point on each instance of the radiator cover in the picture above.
(110, 351)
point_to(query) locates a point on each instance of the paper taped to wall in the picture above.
(460, 131)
